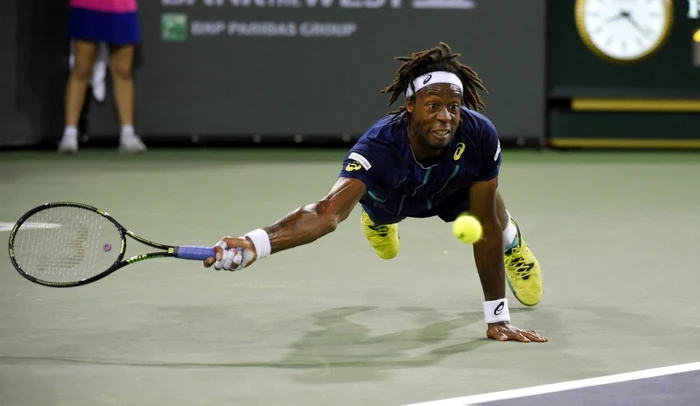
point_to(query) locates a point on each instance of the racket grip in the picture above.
(195, 253)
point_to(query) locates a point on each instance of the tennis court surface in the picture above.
(332, 324)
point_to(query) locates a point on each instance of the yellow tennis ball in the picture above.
(467, 229)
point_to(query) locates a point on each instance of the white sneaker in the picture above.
(131, 144)
(68, 144)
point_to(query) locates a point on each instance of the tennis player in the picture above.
(434, 156)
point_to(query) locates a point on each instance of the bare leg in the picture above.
(75, 92)
(121, 60)
(509, 229)
(77, 82)
(501, 210)
(522, 268)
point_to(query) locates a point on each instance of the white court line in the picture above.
(35, 226)
(562, 386)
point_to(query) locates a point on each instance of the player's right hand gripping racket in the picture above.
(67, 244)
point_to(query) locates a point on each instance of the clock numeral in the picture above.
(693, 8)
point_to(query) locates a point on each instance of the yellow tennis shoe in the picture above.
(523, 272)
(384, 238)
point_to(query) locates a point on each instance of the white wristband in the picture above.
(496, 311)
(261, 241)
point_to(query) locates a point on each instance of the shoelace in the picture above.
(519, 263)
(382, 230)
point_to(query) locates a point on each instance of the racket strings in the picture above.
(66, 244)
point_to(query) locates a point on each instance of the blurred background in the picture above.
(309, 72)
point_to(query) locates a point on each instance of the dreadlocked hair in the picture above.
(440, 58)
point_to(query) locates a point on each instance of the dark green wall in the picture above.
(575, 72)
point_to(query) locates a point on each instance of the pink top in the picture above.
(109, 6)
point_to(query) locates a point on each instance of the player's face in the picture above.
(435, 115)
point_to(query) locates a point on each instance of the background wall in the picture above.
(236, 68)
(33, 70)
(592, 102)
(240, 70)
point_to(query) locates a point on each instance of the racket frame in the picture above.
(120, 262)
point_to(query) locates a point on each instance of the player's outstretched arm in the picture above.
(488, 252)
(302, 226)
(315, 220)
(488, 255)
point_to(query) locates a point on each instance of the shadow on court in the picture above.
(338, 345)
(340, 350)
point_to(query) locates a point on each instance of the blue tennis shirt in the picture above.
(399, 186)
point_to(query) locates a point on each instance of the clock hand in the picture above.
(615, 17)
(609, 20)
(629, 18)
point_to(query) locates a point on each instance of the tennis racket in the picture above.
(68, 244)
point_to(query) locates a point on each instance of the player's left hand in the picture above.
(504, 331)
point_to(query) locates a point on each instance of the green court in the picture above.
(330, 323)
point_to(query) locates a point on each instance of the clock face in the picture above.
(624, 30)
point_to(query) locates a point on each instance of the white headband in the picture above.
(432, 78)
